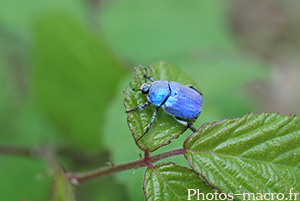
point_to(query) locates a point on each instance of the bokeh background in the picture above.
(65, 63)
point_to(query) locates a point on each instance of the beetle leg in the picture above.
(148, 77)
(139, 107)
(187, 124)
(150, 123)
(192, 87)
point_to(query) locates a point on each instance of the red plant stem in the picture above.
(76, 178)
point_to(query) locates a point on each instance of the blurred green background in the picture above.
(65, 63)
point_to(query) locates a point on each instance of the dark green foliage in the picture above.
(74, 78)
(259, 152)
(61, 81)
(170, 182)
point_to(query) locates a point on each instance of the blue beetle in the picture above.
(184, 103)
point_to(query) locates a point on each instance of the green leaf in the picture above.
(164, 127)
(6, 90)
(62, 188)
(74, 78)
(258, 153)
(103, 189)
(171, 182)
(19, 19)
(165, 29)
(22, 178)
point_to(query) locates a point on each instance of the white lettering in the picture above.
(189, 193)
(282, 196)
(265, 196)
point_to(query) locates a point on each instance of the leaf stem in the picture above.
(20, 151)
(77, 178)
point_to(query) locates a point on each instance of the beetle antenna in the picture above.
(146, 75)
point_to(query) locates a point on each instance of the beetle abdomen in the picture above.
(183, 102)
(158, 92)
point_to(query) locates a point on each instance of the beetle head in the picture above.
(145, 88)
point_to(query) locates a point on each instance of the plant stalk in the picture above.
(77, 178)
